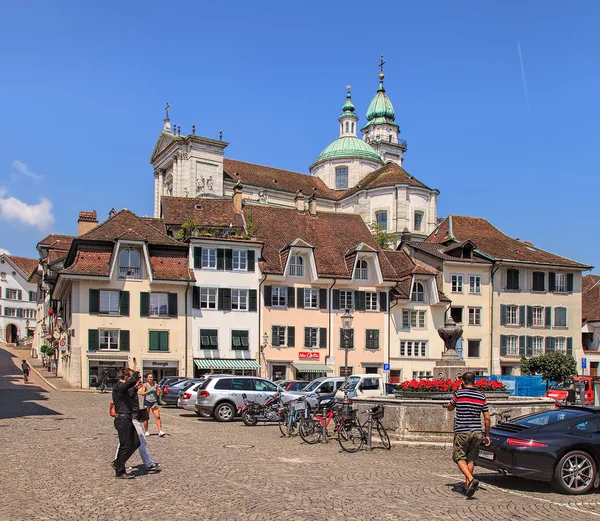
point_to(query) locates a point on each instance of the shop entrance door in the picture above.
(278, 372)
(160, 373)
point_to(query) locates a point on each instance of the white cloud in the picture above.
(37, 215)
(20, 168)
(2, 250)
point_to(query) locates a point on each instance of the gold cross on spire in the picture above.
(167, 110)
(381, 64)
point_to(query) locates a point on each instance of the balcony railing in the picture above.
(126, 272)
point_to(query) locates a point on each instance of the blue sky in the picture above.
(83, 87)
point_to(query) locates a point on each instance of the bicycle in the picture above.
(291, 414)
(352, 435)
(314, 429)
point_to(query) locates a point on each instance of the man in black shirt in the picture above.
(128, 438)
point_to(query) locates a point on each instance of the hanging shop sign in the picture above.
(308, 355)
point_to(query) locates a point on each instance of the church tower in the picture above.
(381, 130)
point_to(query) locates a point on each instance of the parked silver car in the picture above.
(188, 396)
(221, 396)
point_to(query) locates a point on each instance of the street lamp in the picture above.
(347, 319)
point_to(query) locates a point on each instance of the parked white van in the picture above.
(362, 385)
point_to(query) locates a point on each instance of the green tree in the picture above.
(187, 228)
(556, 366)
(385, 240)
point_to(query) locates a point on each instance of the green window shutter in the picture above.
(291, 336)
(368, 339)
(323, 298)
(124, 303)
(196, 297)
(19, 312)
(251, 260)
(144, 304)
(220, 258)
(529, 316)
(164, 340)
(290, 297)
(252, 300)
(124, 340)
(224, 299)
(539, 281)
(569, 282)
(502, 345)
(551, 281)
(197, 258)
(306, 336)
(94, 301)
(351, 343)
(360, 299)
(521, 316)
(548, 320)
(300, 297)
(376, 339)
(522, 346)
(383, 300)
(228, 260)
(275, 336)
(93, 340)
(322, 337)
(172, 304)
(529, 350)
(336, 299)
(268, 295)
(549, 344)
(570, 346)
(502, 314)
(153, 340)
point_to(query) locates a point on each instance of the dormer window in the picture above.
(341, 177)
(362, 270)
(418, 292)
(296, 266)
(129, 264)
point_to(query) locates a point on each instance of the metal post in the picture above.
(346, 366)
(324, 427)
(369, 431)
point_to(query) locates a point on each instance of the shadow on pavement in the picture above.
(520, 485)
(19, 399)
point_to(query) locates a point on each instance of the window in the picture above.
(129, 264)
(475, 284)
(341, 178)
(537, 344)
(13, 294)
(512, 315)
(539, 281)
(159, 304)
(346, 299)
(296, 266)
(109, 302)
(413, 348)
(381, 219)
(239, 299)
(413, 318)
(10, 312)
(264, 385)
(418, 292)
(474, 316)
(29, 313)
(474, 348)
(347, 126)
(109, 339)
(418, 221)
(159, 340)
(512, 279)
(33, 296)
(209, 339)
(239, 260)
(422, 375)
(560, 344)
(560, 282)
(311, 298)
(278, 336)
(371, 301)
(457, 315)
(372, 339)
(209, 258)
(208, 298)
(279, 296)
(512, 345)
(311, 336)
(362, 270)
(560, 317)
(538, 316)
(239, 340)
(457, 283)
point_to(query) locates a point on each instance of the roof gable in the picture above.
(25, 265)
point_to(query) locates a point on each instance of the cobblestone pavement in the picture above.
(56, 448)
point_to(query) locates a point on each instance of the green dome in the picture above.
(348, 147)
(348, 108)
(381, 106)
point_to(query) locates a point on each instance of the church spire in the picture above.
(348, 118)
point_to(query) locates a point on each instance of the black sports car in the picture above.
(560, 445)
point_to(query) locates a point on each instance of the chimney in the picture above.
(406, 236)
(237, 198)
(299, 200)
(312, 205)
(87, 221)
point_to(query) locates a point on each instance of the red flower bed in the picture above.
(447, 386)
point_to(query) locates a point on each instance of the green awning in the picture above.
(221, 363)
(313, 368)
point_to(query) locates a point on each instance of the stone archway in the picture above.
(11, 334)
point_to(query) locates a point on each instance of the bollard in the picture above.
(369, 431)
(324, 432)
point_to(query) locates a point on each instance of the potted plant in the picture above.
(444, 389)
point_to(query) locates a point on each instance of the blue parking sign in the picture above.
(584, 363)
(386, 367)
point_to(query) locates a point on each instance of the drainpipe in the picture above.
(494, 270)
(187, 369)
(330, 308)
(259, 309)
(389, 346)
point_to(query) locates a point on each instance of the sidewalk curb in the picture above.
(49, 384)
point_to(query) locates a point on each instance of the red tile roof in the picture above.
(388, 175)
(170, 266)
(26, 265)
(56, 241)
(590, 305)
(438, 250)
(494, 244)
(203, 211)
(90, 261)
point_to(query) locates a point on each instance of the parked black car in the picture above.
(561, 446)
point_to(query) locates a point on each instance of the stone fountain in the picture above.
(451, 365)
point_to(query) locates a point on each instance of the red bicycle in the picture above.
(312, 430)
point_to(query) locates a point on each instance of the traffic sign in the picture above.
(584, 363)
(62, 343)
(386, 367)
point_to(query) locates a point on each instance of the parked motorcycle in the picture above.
(253, 412)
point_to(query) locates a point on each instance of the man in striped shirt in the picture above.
(469, 403)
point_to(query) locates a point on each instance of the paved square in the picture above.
(56, 448)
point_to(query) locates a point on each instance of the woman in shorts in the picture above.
(150, 392)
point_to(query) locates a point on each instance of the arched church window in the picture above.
(381, 218)
(129, 264)
(341, 177)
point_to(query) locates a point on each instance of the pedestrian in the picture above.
(470, 404)
(150, 392)
(143, 448)
(123, 404)
(25, 369)
(104, 382)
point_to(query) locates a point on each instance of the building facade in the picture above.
(590, 329)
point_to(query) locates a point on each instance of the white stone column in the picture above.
(157, 189)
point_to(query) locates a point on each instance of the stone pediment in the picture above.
(164, 140)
